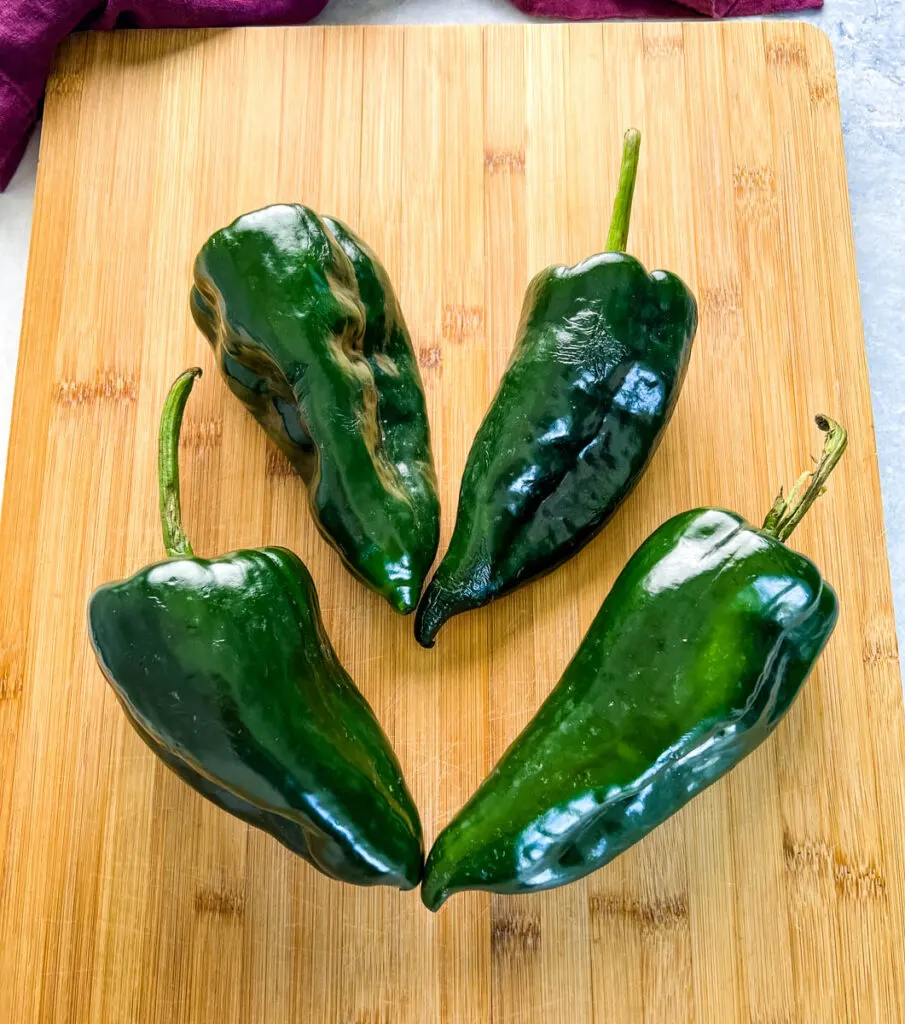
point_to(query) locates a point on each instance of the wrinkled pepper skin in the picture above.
(224, 669)
(600, 356)
(308, 333)
(695, 656)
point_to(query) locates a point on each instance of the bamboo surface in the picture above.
(469, 158)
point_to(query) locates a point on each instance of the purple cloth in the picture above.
(30, 30)
(598, 9)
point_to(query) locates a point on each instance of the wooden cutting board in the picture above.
(469, 158)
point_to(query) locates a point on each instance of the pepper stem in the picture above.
(174, 538)
(787, 513)
(617, 239)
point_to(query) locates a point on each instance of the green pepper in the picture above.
(224, 669)
(696, 654)
(600, 356)
(308, 333)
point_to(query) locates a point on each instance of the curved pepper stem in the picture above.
(787, 513)
(617, 239)
(174, 538)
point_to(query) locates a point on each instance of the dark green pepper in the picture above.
(600, 357)
(696, 654)
(309, 335)
(224, 669)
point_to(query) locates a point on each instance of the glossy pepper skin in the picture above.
(696, 654)
(599, 360)
(308, 333)
(224, 669)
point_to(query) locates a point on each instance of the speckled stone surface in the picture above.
(869, 40)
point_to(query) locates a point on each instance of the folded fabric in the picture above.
(590, 10)
(30, 30)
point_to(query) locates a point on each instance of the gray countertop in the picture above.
(869, 40)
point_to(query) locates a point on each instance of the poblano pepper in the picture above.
(224, 669)
(696, 654)
(308, 333)
(600, 356)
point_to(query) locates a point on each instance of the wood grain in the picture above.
(469, 158)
